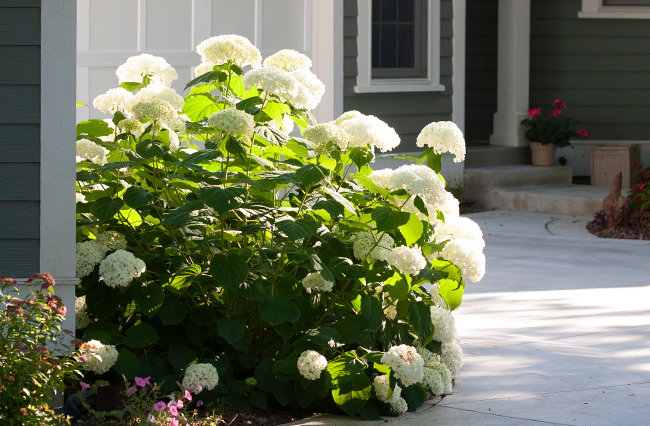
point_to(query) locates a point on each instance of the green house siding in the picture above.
(481, 68)
(599, 67)
(20, 112)
(408, 113)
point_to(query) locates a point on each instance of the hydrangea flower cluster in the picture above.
(233, 122)
(100, 357)
(366, 244)
(120, 267)
(443, 324)
(407, 260)
(314, 281)
(81, 317)
(154, 67)
(468, 256)
(428, 357)
(88, 150)
(311, 364)
(114, 100)
(200, 376)
(443, 136)
(280, 83)
(368, 130)
(458, 228)
(390, 311)
(229, 48)
(111, 241)
(288, 60)
(405, 362)
(452, 356)
(131, 125)
(437, 378)
(89, 254)
(314, 86)
(157, 92)
(381, 386)
(322, 134)
(436, 298)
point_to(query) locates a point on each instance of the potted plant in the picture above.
(547, 133)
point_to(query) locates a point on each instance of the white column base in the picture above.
(507, 129)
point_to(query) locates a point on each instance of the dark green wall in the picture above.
(481, 68)
(20, 112)
(599, 67)
(408, 113)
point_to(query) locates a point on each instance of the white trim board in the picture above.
(365, 83)
(594, 9)
(458, 61)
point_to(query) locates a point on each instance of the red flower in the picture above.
(534, 111)
(583, 132)
(558, 104)
(556, 112)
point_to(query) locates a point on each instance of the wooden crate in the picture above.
(608, 160)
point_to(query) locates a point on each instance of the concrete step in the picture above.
(531, 188)
(488, 156)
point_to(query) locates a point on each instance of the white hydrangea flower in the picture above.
(89, 254)
(80, 198)
(407, 260)
(322, 134)
(176, 125)
(405, 362)
(280, 83)
(443, 136)
(399, 406)
(288, 60)
(113, 100)
(390, 311)
(368, 130)
(436, 298)
(203, 68)
(315, 87)
(233, 122)
(468, 256)
(120, 267)
(100, 357)
(154, 110)
(157, 92)
(311, 364)
(136, 67)
(427, 356)
(443, 324)
(315, 281)
(229, 48)
(375, 247)
(131, 125)
(381, 384)
(452, 356)
(90, 151)
(111, 241)
(437, 378)
(81, 317)
(200, 376)
(463, 228)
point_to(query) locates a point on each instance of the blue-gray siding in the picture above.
(408, 113)
(20, 91)
(481, 68)
(599, 67)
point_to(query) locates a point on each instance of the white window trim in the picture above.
(594, 9)
(365, 82)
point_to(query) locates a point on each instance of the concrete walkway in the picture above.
(557, 332)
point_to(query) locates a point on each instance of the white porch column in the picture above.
(513, 72)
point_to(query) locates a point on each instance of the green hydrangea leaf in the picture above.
(172, 311)
(180, 356)
(352, 395)
(229, 270)
(371, 309)
(420, 319)
(127, 364)
(140, 336)
(299, 229)
(148, 298)
(222, 200)
(452, 291)
(231, 329)
(137, 197)
(412, 230)
(311, 174)
(105, 208)
(388, 219)
(199, 107)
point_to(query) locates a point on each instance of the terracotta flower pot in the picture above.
(543, 155)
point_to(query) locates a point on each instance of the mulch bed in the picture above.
(637, 227)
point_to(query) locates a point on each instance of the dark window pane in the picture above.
(406, 10)
(388, 46)
(376, 10)
(406, 46)
(376, 45)
(388, 11)
(626, 2)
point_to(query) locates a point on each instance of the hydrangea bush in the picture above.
(255, 267)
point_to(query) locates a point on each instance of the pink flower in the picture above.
(173, 422)
(84, 358)
(198, 388)
(179, 403)
(172, 409)
(132, 390)
(84, 386)
(188, 395)
(159, 406)
(556, 112)
(142, 382)
(583, 132)
(534, 112)
(428, 395)
(558, 104)
(150, 418)
(199, 403)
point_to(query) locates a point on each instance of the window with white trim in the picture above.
(398, 46)
(615, 9)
